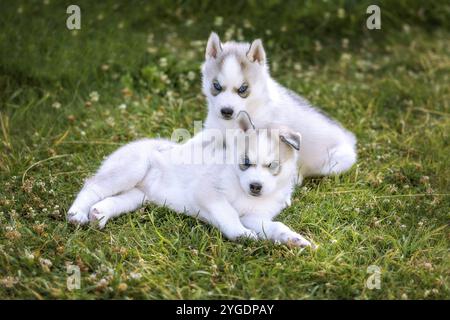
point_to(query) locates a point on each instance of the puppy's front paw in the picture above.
(283, 234)
(98, 217)
(242, 234)
(249, 234)
(296, 240)
(76, 216)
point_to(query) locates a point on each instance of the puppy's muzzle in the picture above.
(227, 113)
(255, 188)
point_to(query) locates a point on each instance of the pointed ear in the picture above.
(244, 121)
(256, 52)
(291, 138)
(213, 48)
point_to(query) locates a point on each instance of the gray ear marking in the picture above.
(244, 121)
(292, 139)
(213, 47)
(256, 52)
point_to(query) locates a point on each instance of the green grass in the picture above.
(390, 86)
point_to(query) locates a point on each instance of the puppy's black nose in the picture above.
(226, 112)
(255, 187)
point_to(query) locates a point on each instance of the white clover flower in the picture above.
(345, 43)
(317, 45)
(247, 24)
(135, 275)
(218, 21)
(164, 78)
(29, 255)
(45, 264)
(94, 96)
(191, 75)
(346, 57)
(163, 62)
(152, 50)
(9, 281)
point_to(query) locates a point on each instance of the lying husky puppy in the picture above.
(236, 78)
(240, 198)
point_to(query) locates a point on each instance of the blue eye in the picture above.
(274, 167)
(242, 89)
(217, 86)
(245, 164)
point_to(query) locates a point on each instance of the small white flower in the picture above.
(29, 255)
(123, 106)
(135, 275)
(191, 75)
(9, 281)
(346, 57)
(163, 62)
(317, 45)
(94, 96)
(218, 21)
(56, 105)
(152, 50)
(406, 28)
(247, 24)
(345, 43)
(45, 262)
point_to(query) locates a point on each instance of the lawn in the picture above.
(69, 98)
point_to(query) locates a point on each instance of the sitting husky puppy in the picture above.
(235, 77)
(240, 198)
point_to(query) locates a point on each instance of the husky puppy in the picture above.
(235, 77)
(238, 197)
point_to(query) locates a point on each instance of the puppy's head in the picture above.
(267, 159)
(234, 78)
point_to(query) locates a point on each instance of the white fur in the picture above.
(150, 171)
(327, 148)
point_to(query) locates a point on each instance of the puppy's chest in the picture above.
(260, 207)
